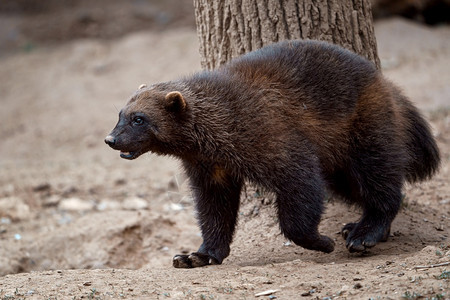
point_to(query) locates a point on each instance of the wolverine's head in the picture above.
(152, 120)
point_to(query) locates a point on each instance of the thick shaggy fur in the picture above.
(298, 118)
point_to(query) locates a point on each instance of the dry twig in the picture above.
(432, 266)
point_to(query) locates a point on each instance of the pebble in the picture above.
(176, 206)
(440, 227)
(52, 200)
(134, 203)
(357, 286)
(173, 207)
(75, 204)
(266, 293)
(14, 208)
(42, 187)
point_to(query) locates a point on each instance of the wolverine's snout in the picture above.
(110, 140)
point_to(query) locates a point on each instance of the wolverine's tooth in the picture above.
(125, 153)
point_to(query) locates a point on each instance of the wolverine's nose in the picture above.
(110, 140)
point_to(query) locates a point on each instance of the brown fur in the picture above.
(297, 118)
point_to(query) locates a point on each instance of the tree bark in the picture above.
(230, 28)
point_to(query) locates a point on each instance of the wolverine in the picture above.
(298, 118)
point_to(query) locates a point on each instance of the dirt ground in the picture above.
(79, 222)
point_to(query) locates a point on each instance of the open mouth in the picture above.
(129, 155)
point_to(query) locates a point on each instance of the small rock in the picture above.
(52, 200)
(357, 286)
(75, 204)
(120, 181)
(134, 203)
(42, 187)
(266, 293)
(440, 227)
(445, 201)
(173, 207)
(176, 206)
(14, 208)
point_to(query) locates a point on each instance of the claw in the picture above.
(193, 260)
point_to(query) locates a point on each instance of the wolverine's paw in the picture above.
(325, 244)
(319, 243)
(193, 260)
(361, 237)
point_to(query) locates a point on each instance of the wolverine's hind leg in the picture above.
(300, 195)
(376, 184)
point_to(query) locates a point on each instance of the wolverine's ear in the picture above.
(175, 101)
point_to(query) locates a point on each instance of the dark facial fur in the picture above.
(298, 118)
(147, 123)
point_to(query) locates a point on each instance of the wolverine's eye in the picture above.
(138, 121)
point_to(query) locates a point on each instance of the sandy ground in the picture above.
(79, 222)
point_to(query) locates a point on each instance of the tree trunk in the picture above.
(230, 28)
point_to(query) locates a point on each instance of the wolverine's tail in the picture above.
(423, 152)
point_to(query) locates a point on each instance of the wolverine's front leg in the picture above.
(216, 196)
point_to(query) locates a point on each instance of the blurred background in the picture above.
(25, 24)
(28, 23)
(68, 66)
